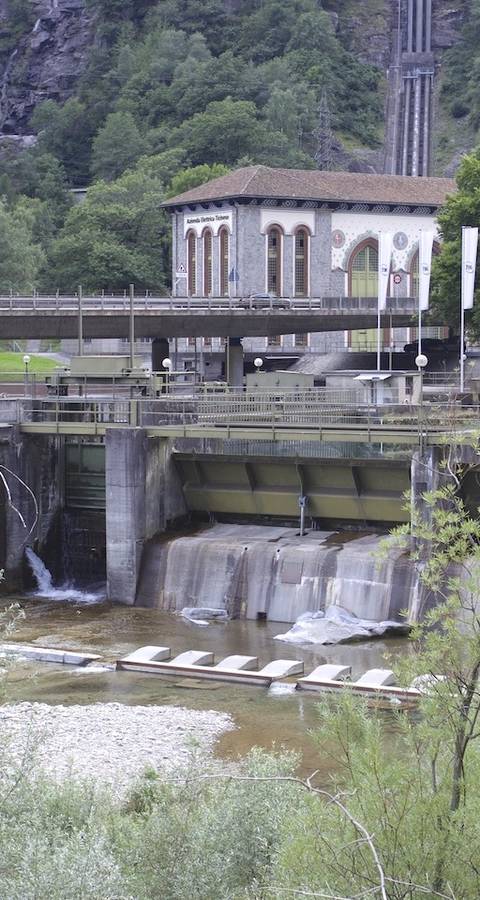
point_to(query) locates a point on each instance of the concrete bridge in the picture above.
(54, 317)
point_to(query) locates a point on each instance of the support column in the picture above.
(125, 453)
(234, 363)
(142, 495)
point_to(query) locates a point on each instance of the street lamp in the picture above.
(26, 360)
(421, 361)
(167, 364)
(258, 363)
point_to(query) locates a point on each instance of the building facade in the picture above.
(300, 234)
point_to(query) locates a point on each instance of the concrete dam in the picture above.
(174, 528)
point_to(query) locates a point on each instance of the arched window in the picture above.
(192, 262)
(207, 262)
(274, 261)
(301, 263)
(364, 270)
(224, 262)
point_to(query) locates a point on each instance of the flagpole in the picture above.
(378, 338)
(419, 327)
(462, 320)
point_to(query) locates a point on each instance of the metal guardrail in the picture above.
(292, 412)
(67, 303)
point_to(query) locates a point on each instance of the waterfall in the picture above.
(4, 87)
(40, 572)
(268, 572)
(65, 592)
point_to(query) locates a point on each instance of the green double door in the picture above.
(364, 283)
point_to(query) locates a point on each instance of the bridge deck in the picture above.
(57, 317)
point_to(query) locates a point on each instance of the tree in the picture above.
(461, 208)
(116, 236)
(190, 178)
(20, 256)
(417, 798)
(117, 146)
(67, 132)
(227, 130)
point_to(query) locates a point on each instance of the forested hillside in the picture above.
(164, 88)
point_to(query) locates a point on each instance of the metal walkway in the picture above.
(296, 416)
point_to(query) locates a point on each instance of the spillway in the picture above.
(266, 572)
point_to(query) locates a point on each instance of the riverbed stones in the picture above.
(109, 742)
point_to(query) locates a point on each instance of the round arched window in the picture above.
(274, 261)
(224, 261)
(207, 263)
(192, 262)
(301, 263)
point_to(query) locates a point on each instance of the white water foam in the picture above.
(65, 592)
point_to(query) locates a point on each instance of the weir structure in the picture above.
(117, 485)
(410, 92)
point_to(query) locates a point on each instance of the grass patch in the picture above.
(12, 365)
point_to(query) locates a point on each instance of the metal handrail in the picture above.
(38, 302)
(248, 411)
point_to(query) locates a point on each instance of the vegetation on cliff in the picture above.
(187, 84)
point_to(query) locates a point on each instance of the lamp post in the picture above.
(421, 361)
(26, 360)
(167, 365)
(258, 363)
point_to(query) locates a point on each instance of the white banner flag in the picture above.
(385, 244)
(424, 267)
(469, 265)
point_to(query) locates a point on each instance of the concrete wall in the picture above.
(142, 495)
(38, 461)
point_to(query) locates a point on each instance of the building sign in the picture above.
(214, 220)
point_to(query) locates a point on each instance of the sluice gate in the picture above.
(344, 489)
(368, 491)
(411, 75)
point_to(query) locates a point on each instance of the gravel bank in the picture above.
(108, 741)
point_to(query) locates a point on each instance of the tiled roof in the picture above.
(297, 184)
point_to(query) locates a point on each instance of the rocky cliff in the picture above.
(45, 62)
(51, 50)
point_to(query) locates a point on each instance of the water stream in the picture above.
(62, 618)
(63, 593)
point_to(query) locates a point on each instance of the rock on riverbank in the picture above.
(110, 742)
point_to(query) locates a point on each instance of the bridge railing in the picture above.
(295, 412)
(59, 302)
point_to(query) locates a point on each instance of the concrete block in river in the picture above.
(376, 677)
(49, 654)
(238, 662)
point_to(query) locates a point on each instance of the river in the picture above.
(263, 718)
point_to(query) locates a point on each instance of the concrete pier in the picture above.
(141, 497)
